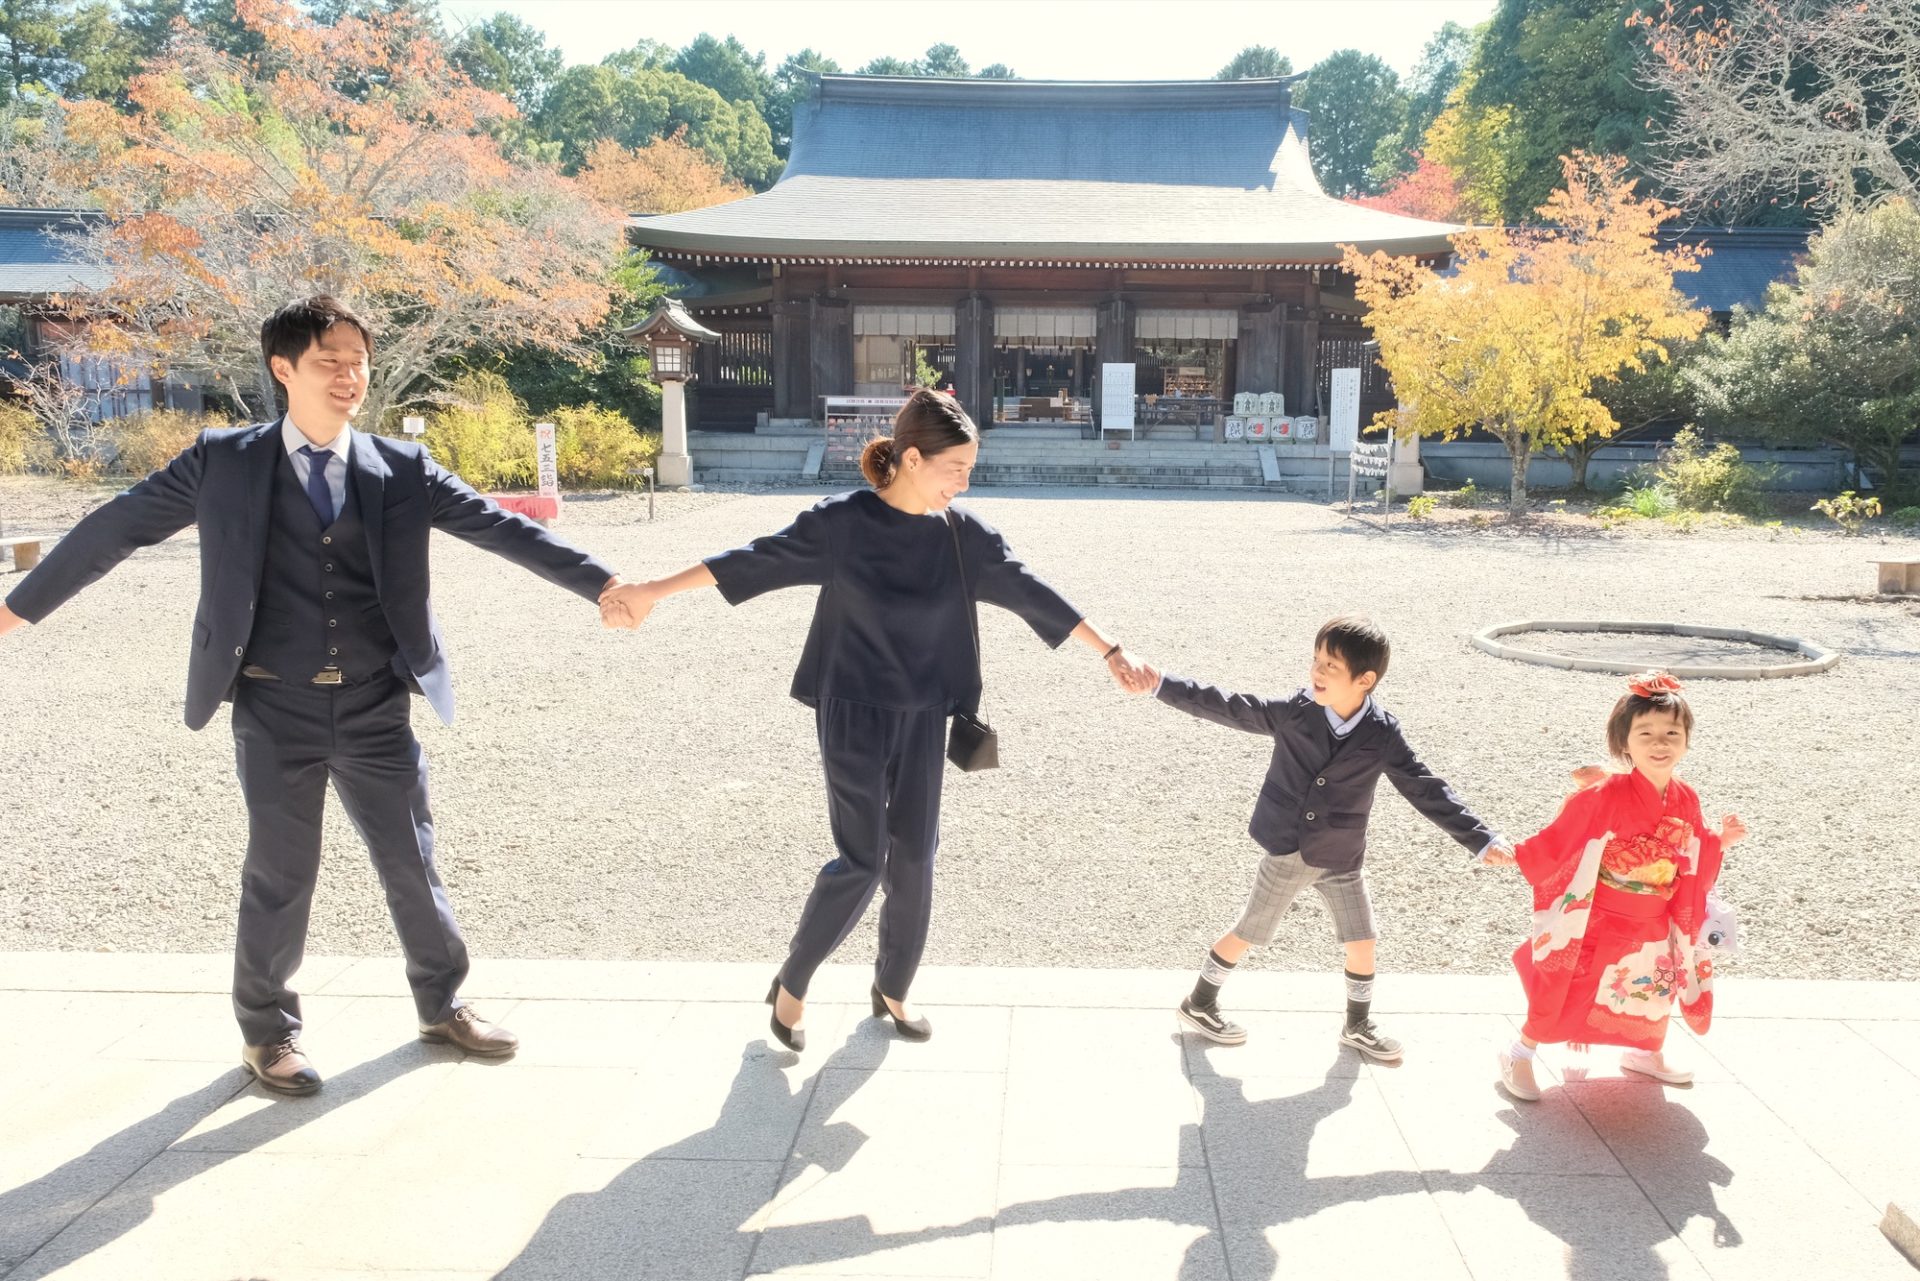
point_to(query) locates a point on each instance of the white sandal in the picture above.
(1652, 1063)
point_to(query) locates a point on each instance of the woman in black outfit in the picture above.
(889, 657)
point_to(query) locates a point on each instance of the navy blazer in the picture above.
(224, 483)
(1318, 792)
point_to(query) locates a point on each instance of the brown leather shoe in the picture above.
(471, 1033)
(280, 1066)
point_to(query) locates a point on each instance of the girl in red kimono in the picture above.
(1620, 881)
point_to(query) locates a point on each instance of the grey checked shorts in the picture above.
(1280, 880)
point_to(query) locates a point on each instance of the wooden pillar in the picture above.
(1257, 355)
(830, 343)
(1112, 341)
(973, 357)
(792, 360)
(1020, 371)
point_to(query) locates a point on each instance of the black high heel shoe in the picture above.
(909, 1029)
(794, 1038)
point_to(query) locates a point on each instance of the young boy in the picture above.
(1331, 744)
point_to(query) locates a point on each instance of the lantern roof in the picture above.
(670, 318)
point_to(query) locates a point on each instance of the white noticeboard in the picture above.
(1116, 398)
(413, 425)
(549, 460)
(1343, 424)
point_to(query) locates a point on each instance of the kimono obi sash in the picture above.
(1628, 904)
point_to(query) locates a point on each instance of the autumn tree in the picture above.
(1515, 340)
(1833, 358)
(666, 175)
(339, 159)
(1430, 190)
(1786, 104)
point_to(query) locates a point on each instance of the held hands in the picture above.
(1497, 856)
(1130, 674)
(627, 605)
(1586, 776)
(1732, 830)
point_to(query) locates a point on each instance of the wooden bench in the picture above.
(26, 549)
(1898, 577)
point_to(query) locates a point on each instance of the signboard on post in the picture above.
(414, 425)
(1116, 398)
(1343, 424)
(549, 455)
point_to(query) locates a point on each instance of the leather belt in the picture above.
(325, 676)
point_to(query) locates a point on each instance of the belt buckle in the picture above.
(328, 676)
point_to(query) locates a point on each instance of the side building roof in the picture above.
(892, 168)
(34, 261)
(1739, 264)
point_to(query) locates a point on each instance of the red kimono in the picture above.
(1620, 881)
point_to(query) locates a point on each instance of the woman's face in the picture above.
(937, 479)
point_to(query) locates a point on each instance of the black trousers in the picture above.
(884, 769)
(289, 740)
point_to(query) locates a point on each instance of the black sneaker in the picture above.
(1371, 1041)
(1206, 1020)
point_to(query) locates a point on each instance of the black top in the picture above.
(1318, 791)
(892, 627)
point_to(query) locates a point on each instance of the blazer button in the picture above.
(329, 595)
(1319, 782)
(239, 650)
(327, 539)
(328, 567)
(1309, 816)
(333, 653)
(333, 622)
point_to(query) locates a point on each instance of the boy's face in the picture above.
(327, 385)
(1656, 742)
(1334, 686)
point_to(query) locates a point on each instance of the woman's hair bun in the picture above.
(879, 460)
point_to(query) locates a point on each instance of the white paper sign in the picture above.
(1343, 425)
(413, 425)
(549, 460)
(1116, 397)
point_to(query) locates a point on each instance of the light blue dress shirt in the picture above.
(292, 438)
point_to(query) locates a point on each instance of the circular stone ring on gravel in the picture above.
(1729, 653)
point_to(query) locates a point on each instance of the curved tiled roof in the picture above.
(35, 262)
(886, 167)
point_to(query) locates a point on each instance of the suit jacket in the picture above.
(224, 483)
(1318, 791)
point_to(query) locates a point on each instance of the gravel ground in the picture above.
(656, 794)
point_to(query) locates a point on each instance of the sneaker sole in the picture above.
(1665, 1078)
(1378, 1056)
(1203, 1030)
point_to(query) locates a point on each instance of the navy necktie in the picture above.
(318, 492)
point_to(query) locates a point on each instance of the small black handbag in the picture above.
(971, 743)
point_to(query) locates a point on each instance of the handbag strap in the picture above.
(973, 615)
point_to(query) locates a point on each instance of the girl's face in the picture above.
(1655, 744)
(937, 479)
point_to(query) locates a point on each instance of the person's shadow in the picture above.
(621, 1229)
(1660, 1144)
(34, 1216)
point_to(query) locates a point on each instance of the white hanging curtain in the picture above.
(1185, 323)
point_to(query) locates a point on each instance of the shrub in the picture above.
(1699, 479)
(1848, 510)
(23, 441)
(482, 433)
(596, 448)
(1421, 506)
(1906, 517)
(1465, 496)
(1649, 501)
(142, 443)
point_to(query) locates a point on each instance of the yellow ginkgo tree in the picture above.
(1515, 338)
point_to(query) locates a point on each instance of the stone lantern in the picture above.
(669, 335)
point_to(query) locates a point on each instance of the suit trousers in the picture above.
(289, 740)
(884, 769)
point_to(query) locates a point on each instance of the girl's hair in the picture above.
(1656, 692)
(931, 422)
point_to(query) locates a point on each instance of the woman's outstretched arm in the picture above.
(628, 604)
(1128, 672)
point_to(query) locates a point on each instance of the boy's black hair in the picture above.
(296, 327)
(1358, 642)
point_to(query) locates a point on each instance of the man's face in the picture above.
(328, 383)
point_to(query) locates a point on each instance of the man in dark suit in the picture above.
(314, 620)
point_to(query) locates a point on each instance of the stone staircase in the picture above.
(1032, 456)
